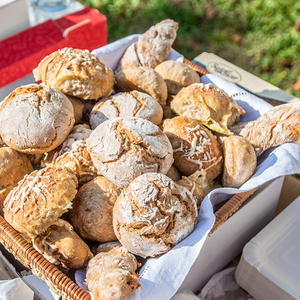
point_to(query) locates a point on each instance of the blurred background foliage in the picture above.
(260, 36)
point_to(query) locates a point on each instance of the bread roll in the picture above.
(132, 104)
(143, 79)
(91, 214)
(177, 75)
(78, 106)
(111, 275)
(62, 246)
(77, 73)
(153, 214)
(124, 148)
(239, 161)
(195, 148)
(152, 47)
(35, 119)
(39, 199)
(277, 126)
(209, 105)
(13, 167)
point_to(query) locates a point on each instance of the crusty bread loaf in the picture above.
(209, 105)
(91, 213)
(35, 119)
(177, 75)
(124, 148)
(130, 104)
(277, 126)
(152, 47)
(239, 161)
(143, 79)
(77, 73)
(13, 167)
(153, 214)
(111, 275)
(195, 148)
(39, 199)
(62, 246)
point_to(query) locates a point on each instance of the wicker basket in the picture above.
(60, 283)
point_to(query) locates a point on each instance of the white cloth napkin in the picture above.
(161, 277)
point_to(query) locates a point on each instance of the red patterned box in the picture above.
(22, 52)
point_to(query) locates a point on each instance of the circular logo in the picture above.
(224, 71)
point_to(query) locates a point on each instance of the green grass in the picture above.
(258, 36)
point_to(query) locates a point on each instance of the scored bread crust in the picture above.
(128, 104)
(209, 105)
(143, 79)
(153, 214)
(91, 214)
(35, 119)
(77, 73)
(124, 148)
(39, 199)
(195, 148)
(111, 275)
(277, 126)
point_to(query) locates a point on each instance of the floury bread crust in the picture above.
(111, 274)
(35, 119)
(195, 148)
(124, 148)
(153, 214)
(132, 104)
(76, 73)
(39, 199)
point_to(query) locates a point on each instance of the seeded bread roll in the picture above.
(239, 161)
(153, 214)
(277, 126)
(124, 148)
(13, 167)
(194, 147)
(73, 154)
(39, 199)
(91, 214)
(152, 47)
(35, 119)
(143, 79)
(132, 104)
(77, 73)
(62, 246)
(111, 275)
(177, 75)
(209, 105)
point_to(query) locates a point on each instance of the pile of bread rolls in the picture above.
(122, 159)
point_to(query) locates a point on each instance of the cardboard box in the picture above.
(22, 52)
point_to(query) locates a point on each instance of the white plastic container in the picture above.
(269, 268)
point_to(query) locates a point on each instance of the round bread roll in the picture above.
(78, 106)
(209, 105)
(143, 79)
(111, 275)
(153, 214)
(35, 119)
(62, 246)
(77, 73)
(132, 104)
(91, 214)
(39, 199)
(73, 154)
(194, 147)
(239, 161)
(124, 148)
(13, 167)
(152, 47)
(177, 75)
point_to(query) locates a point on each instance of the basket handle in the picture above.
(32, 259)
